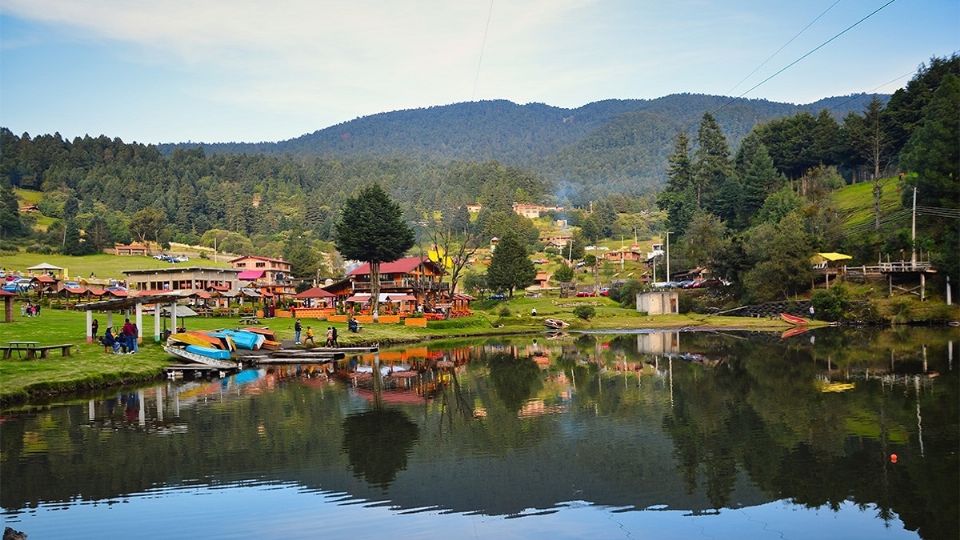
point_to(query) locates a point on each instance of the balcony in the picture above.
(406, 284)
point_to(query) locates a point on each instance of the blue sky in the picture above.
(243, 70)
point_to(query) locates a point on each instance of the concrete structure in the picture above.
(133, 248)
(193, 279)
(658, 302)
(659, 343)
(533, 211)
(136, 303)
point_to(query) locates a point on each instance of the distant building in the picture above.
(474, 208)
(193, 279)
(625, 255)
(533, 211)
(133, 248)
(658, 302)
(268, 275)
(557, 240)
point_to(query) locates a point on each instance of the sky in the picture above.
(244, 70)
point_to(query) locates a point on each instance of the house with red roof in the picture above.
(409, 279)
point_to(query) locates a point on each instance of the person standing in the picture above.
(335, 343)
(297, 328)
(329, 342)
(127, 332)
(94, 327)
(135, 338)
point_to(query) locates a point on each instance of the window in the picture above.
(261, 265)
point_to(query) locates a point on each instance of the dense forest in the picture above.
(756, 215)
(602, 147)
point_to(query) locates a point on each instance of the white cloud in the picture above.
(330, 59)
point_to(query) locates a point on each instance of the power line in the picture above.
(756, 69)
(483, 45)
(808, 53)
(851, 98)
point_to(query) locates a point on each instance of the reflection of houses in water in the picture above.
(659, 343)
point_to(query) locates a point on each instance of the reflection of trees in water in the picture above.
(515, 379)
(377, 443)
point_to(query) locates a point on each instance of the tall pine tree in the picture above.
(510, 267)
(678, 199)
(713, 172)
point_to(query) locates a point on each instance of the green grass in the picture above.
(28, 196)
(101, 265)
(855, 202)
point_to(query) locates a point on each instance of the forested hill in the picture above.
(623, 142)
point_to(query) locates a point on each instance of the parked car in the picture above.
(19, 285)
(605, 291)
(160, 256)
(584, 294)
(498, 296)
(686, 284)
(712, 282)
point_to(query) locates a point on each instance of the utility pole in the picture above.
(913, 232)
(623, 254)
(668, 254)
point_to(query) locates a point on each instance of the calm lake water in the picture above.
(643, 435)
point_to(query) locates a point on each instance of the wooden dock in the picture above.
(374, 348)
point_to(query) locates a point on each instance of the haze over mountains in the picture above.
(623, 143)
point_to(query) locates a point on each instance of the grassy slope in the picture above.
(101, 265)
(855, 202)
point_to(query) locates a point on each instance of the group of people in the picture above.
(30, 309)
(123, 342)
(331, 341)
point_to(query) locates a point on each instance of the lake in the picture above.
(834, 433)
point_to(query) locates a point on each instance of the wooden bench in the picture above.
(249, 320)
(32, 349)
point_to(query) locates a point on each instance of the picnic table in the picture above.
(32, 348)
(249, 320)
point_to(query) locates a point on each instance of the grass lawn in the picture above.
(101, 265)
(855, 202)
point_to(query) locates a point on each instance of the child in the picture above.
(309, 337)
(329, 336)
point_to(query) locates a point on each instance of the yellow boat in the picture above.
(189, 339)
(835, 387)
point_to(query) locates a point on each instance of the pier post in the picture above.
(923, 286)
(89, 326)
(173, 317)
(139, 320)
(949, 298)
(156, 322)
(889, 285)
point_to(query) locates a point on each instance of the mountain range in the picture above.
(620, 143)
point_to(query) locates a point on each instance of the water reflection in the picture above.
(699, 423)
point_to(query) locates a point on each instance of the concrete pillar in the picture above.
(173, 317)
(923, 286)
(142, 413)
(159, 391)
(139, 322)
(89, 326)
(949, 293)
(889, 284)
(110, 322)
(156, 322)
(91, 409)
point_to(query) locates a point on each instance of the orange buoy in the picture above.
(893, 458)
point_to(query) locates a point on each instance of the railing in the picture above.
(876, 270)
(387, 285)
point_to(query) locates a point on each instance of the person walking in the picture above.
(329, 342)
(310, 337)
(297, 328)
(335, 342)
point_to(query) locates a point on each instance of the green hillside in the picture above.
(855, 202)
(100, 265)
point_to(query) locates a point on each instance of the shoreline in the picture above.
(49, 387)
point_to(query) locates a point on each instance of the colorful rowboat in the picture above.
(793, 319)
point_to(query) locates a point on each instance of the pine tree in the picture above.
(372, 229)
(71, 239)
(10, 224)
(712, 167)
(510, 267)
(678, 198)
(758, 178)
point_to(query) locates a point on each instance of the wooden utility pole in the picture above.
(668, 255)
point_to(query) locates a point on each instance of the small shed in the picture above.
(658, 302)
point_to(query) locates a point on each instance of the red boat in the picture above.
(793, 319)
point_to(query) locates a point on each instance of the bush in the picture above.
(504, 312)
(625, 293)
(42, 249)
(584, 312)
(829, 304)
(563, 274)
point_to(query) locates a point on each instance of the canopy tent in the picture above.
(315, 292)
(182, 311)
(44, 266)
(822, 260)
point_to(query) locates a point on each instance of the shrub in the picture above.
(505, 311)
(830, 304)
(584, 312)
